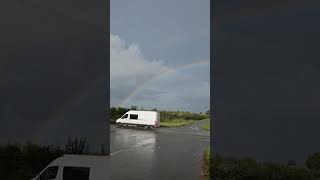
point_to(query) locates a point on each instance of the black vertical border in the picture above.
(107, 108)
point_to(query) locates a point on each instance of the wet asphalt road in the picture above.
(162, 153)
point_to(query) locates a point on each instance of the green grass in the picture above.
(206, 126)
(207, 153)
(206, 164)
(176, 123)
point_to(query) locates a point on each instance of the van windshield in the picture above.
(124, 116)
(49, 173)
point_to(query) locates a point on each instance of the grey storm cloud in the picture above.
(136, 80)
(266, 80)
(52, 70)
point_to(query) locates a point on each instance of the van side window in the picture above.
(76, 173)
(124, 116)
(133, 116)
(49, 173)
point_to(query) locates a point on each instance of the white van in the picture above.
(140, 118)
(76, 167)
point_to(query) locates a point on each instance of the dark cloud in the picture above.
(53, 61)
(266, 81)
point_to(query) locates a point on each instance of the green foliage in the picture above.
(166, 116)
(133, 107)
(117, 112)
(24, 161)
(176, 123)
(206, 164)
(313, 162)
(208, 112)
(206, 126)
(77, 146)
(249, 169)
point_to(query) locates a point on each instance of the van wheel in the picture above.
(146, 127)
(119, 125)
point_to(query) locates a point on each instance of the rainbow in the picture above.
(143, 85)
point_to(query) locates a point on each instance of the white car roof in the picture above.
(141, 111)
(80, 160)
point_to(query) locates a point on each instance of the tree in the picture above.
(133, 107)
(77, 146)
(208, 112)
(116, 112)
(313, 162)
(291, 163)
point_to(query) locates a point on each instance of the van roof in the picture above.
(141, 111)
(80, 160)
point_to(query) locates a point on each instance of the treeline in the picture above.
(173, 115)
(249, 169)
(117, 112)
(24, 161)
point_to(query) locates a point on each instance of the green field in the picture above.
(206, 126)
(206, 164)
(176, 123)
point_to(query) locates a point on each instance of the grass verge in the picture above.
(205, 175)
(206, 126)
(176, 123)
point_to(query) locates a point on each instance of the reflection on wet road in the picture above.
(163, 153)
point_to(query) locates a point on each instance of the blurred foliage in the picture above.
(117, 112)
(249, 169)
(77, 146)
(173, 115)
(205, 175)
(176, 123)
(313, 162)
(24, 161)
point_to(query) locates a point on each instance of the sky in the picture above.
(266, 79)
(160, 54)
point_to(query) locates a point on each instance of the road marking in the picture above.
(194, 128)
(147, 141)
(116, 152)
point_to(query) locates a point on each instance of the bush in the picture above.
(173, 115)
(24, 161)
(77, 146)
(249, 169)
(117, 112)
(313, 162)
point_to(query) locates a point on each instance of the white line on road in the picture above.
(147, 141)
